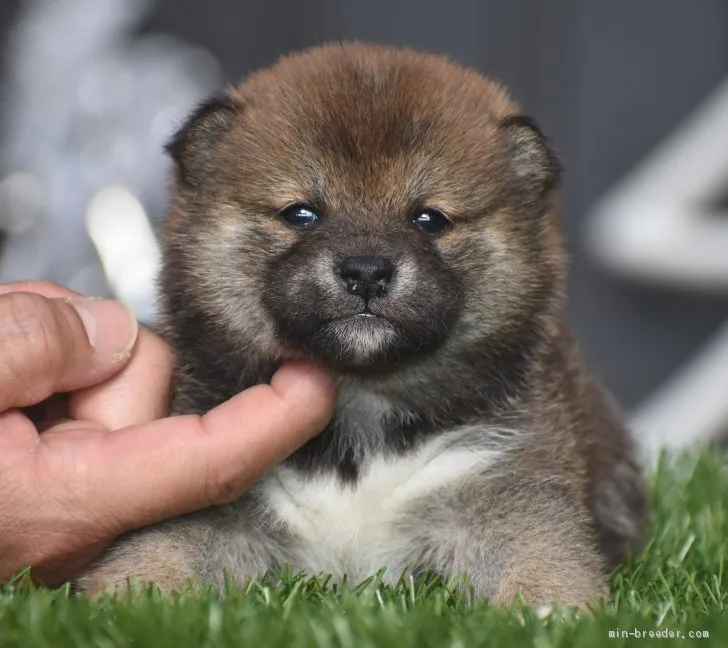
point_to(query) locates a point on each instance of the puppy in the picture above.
(392, 216)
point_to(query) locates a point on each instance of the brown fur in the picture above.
(543, 571)
(160, 560)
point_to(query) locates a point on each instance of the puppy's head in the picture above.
(362, 206)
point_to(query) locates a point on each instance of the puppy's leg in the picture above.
(165, 555)
(535, 541)
(205, 547)
(545, 572)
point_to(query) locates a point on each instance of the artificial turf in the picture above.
(675, 585)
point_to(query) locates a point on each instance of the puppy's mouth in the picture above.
(361, 321)
(363, 315)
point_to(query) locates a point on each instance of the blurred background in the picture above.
(633, 94)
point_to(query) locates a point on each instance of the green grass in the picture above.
(676, 584)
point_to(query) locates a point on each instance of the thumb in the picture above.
(52, 346)
(151, 472)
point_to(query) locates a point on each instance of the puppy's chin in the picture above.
(365, 345)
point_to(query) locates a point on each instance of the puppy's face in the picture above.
(362, 206)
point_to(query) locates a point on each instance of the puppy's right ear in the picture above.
(192, 145)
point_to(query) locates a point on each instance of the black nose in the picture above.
(366, 276)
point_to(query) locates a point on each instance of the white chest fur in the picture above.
(356, 529)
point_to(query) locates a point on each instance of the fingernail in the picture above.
(111, 327)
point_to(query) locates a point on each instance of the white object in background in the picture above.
(691, 407)
(89, 107)
(662, 225)
(120, 231)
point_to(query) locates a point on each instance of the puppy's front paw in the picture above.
(556, 576)
(150, 558)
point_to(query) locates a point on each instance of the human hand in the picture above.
(115, 464)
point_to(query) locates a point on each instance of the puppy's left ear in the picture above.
(534, 159)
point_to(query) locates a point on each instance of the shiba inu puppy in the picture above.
(392, 216)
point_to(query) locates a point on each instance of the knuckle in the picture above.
(26, 315)
(219, 490)
(221, 486)
(32, 337)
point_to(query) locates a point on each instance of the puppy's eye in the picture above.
(299, 217)
(432, 221)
